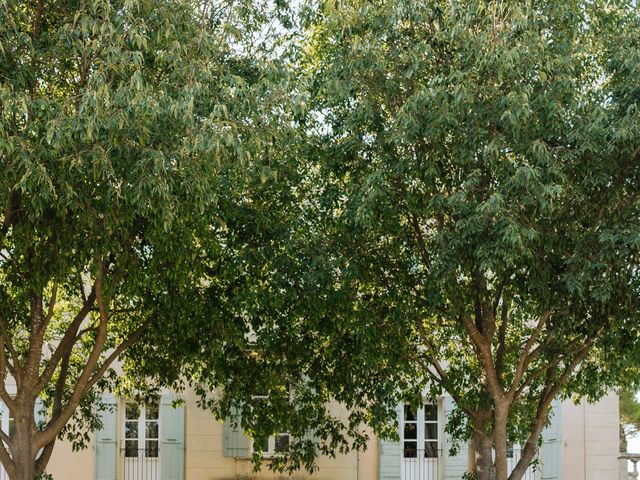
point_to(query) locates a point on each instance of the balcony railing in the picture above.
(140, 464)
(417, 466)
(421, 465)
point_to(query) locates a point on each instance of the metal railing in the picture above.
(626, 459)
(421, 465)
(417, 466)
(140, 464)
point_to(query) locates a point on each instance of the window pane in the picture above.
(132, 411)
(151, 449)
(131, 448)
(410, 449)
(410, 431)
(431, 431)
(430, 449)
(152, 411)
(152, 430)
(431, 412)
(409, 414)
(282, 442)
(130, 429)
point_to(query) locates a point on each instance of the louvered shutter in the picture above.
(455, 466)
(236, 442)
(105, 445)
(171, 439)
(551, 451)
(390, 455)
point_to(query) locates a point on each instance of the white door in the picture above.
(141, 442)
(421, 443)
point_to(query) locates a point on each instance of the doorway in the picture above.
(421, 442)
(141, 449)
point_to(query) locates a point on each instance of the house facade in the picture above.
(159, 442)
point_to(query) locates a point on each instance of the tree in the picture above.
(479, 201)
(119, 124)
(629, 416)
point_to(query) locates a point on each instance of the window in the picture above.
(141, 430)
(420, 432)
(277, 443)
(430, 431)
(7, 422)
(509, 449)
(410, 432)
(12, 426)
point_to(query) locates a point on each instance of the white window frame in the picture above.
(421, 423)
(141, 439)
(271, 444)
(408, 465)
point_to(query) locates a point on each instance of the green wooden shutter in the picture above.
(171, 439)
(236, 442)
(551, 451)
(105, 444)
(454, 466)
(390, 454)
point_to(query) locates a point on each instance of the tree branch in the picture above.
(43, 459)
(52, 303)
(7, 462)
(6, 342)
(55, 425)
(131, 340)
(443, 382)
(554, 363)
(36, 337)
(483, 350)
(68, 340)
(549, 393)
(91, 373)
(527, 356)
(419, 238)
(433, 357)
(502, 338)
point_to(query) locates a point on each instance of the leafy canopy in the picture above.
(129, 133)
(479, 185)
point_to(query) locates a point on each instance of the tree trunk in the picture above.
(483, 461)
(22, 443)
(623, 439)
(500, 440)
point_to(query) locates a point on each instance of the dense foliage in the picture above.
(125, 129)
(629, 416)
(480, 171)
(353, 204)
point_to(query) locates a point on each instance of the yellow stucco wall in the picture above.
(65, 464)
(590, 442)
(204, 458)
